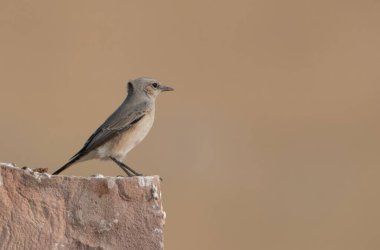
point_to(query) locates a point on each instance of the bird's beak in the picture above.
(166, 88)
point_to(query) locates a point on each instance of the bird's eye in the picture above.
(155, 85)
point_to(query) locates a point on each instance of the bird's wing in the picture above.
(117, 123)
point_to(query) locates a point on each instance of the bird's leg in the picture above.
(133, 171)
(125, 167)
(121, 166)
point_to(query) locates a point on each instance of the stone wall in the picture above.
(41, 211)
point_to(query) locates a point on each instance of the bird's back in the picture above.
(130, 112)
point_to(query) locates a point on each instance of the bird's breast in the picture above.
(133, 136)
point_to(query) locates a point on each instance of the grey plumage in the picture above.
(125, 128)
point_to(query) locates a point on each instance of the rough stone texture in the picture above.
(40, 211)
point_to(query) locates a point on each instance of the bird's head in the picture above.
(150, 87)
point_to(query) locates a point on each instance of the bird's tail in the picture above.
(68, 164)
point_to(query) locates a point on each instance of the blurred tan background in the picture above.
(271, 140)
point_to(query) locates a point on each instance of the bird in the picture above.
(126, 127)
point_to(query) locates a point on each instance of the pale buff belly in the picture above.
(125, 142)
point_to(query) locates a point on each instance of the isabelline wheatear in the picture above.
(125, 128)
